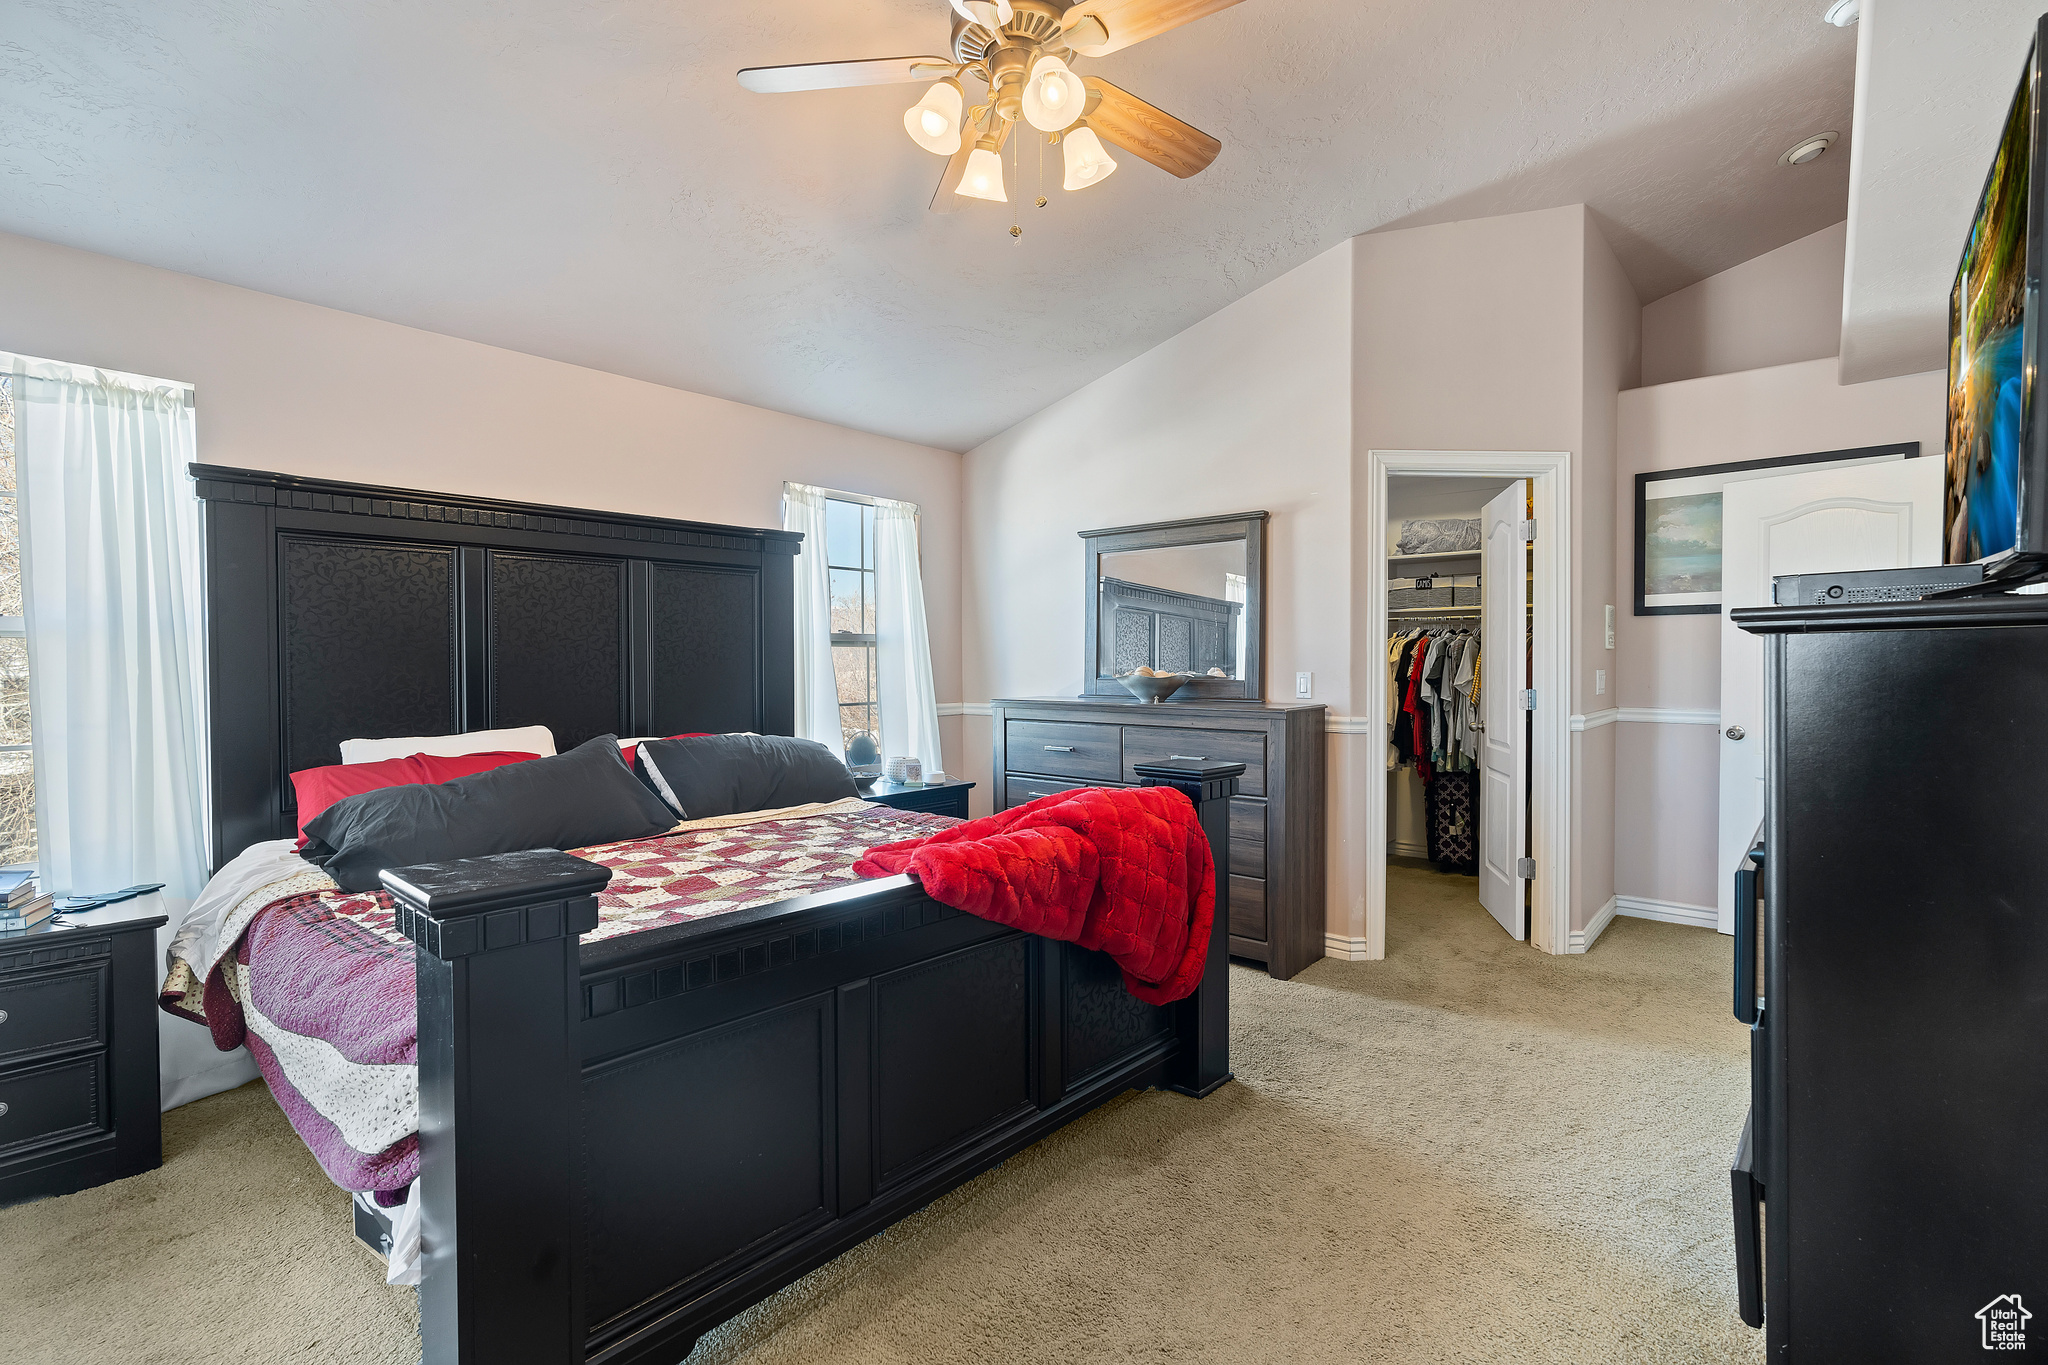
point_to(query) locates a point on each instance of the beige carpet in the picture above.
(1470, 1151)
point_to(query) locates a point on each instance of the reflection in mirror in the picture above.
(1175, 609)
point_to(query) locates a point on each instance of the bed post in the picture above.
(1203, 1062)
(499, 1007)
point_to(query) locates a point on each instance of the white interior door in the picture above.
(1873, 516)
(1504, 753)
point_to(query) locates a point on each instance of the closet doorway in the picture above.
(1464, 597)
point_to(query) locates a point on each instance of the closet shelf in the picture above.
(1433, 558)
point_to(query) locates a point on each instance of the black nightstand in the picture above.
(934, 798)
(79, 1092)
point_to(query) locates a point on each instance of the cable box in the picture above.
(1870, 585)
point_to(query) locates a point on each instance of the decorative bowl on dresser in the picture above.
(79, 1094)
(1049, 744)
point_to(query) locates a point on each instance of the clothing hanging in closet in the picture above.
(1432, 700)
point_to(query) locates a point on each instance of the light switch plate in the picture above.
(1304, 684)
(1610, 625)
(1599, 682)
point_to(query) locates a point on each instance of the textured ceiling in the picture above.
(1938, 77)
(586, 181)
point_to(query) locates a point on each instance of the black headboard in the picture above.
(337, 610)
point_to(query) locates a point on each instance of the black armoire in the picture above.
(1891, 1185)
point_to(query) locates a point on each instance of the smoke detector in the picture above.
(1810, 149)
(1843, 13)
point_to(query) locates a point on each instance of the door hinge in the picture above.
(1529, 700)
(1529, 530)
(1525, 867)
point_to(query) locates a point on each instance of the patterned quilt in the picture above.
(319, 983)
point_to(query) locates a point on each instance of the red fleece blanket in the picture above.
(1124, 872)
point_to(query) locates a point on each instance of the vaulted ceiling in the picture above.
(585, 180)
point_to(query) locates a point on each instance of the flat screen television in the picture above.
(1996, 505)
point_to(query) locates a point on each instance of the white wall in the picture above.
(1667, 772)
(1776, 309)
(300, 389)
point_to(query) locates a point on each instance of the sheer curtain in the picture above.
(903, 649)
(817, 692)
(110, 551)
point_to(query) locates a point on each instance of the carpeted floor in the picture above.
(1468, 1152)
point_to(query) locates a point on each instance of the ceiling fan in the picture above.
(1022, 50)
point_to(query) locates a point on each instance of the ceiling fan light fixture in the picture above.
(1053, 95)
(934, 121)
(1087, 162)
(990, 14)
(983, 178)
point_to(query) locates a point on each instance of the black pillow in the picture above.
(728, 774)
(586, 796)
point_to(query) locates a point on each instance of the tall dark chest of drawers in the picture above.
(1044, 745)
(79, 1093)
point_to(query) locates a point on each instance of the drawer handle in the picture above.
(1192, 758)
(3, 1109)
(3, 1016)
(1059, 748)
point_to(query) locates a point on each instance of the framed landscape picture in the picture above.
(1678, 524)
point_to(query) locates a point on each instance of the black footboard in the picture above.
(625, 1143)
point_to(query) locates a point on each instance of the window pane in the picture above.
(17, 809)
(842, 532)
(867, 536)
(847, 613)
(10, 534)
(850, 670)
(867, 587)
(13, 690)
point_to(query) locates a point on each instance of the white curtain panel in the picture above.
(817, 693)
(111, 570)
(903, 648)
(111, 575)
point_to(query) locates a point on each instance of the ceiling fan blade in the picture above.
(1138, 128)
(1124, 22)
(780, 80)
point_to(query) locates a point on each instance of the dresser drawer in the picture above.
(53, 1102)
(1247, 837)
(1248, 908)
(1065, 749)
(53, 1010)
(1157, 744)
(1024, 789)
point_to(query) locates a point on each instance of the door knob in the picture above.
(1736, 732)
(1478, 727)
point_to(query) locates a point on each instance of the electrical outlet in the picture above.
(1599, 682)
(1304, 684)
(1610, 625)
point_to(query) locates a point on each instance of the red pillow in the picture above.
(319, 788)
(630, 751)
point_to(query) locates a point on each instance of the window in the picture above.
(850, 560)
(17, 757)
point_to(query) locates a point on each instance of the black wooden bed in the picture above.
(624, 1143)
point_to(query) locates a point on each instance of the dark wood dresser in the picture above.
(79, 1094)
(1044, 745)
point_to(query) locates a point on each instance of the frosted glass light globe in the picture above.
(1054, 96)
(984, 177)
(934, 121)
(1087, 163)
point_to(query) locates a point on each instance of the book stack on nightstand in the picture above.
(25, 906)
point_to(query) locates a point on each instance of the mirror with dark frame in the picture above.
(1178, 598)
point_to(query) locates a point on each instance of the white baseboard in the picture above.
(1398, 849)
(1344, 949)
(1581, 939)
(1668, 912)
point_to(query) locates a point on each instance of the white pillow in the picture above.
(532, 739)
